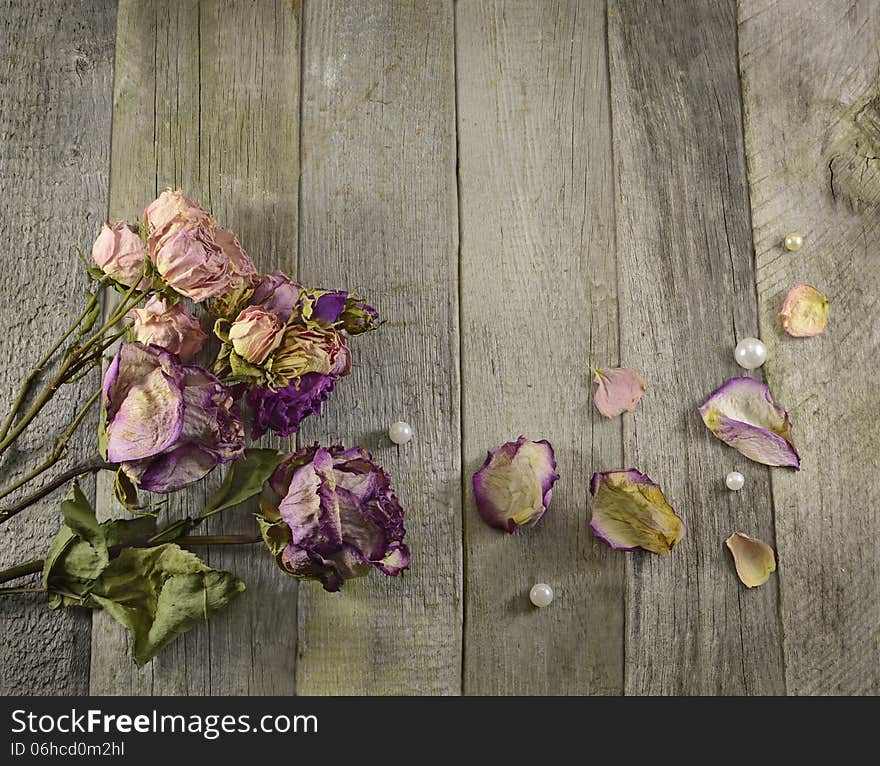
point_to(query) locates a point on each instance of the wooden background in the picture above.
(528, 189)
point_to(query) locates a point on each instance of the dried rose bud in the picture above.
(513, 489)
(121, 254)
(255, 334)
(742, 413)
(805, 312)
(306, 349)
(630, 512)
(175, 329)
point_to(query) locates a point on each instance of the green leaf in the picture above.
(242, 369)
(81, 520)
(245, 479)
(159, 593)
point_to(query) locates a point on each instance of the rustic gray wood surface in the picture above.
(56, 83)
(537, 247)
(379, 217)
(527, 192)
(811, 117)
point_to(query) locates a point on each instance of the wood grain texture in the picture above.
(539, 313)
(378, 216)
(56, 74)
(687, 294)
(207, 99)
(812, 126)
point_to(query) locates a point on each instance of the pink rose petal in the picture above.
(618, 390)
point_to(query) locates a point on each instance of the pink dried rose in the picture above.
(631, 512)
(513, 488)
(255, 334)
(121, 254)
(175, 329)
(754, 559)
(805, 312)
(618, 390)
(194, 254)
(742, 413)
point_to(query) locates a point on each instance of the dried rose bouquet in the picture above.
(167, 421)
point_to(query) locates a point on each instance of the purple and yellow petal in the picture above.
(631, 512)
(754, 559)
(514, 486)
(618, 390)
(742, 413)
(805, 312)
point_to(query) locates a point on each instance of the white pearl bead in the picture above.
(750, 353)
(400, 432)
(735, 481)
(541, 594)
(793, 242)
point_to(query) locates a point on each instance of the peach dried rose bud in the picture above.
(754, 559)
(618, 390)
(805, 312)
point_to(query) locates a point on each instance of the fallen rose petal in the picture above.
(743, 414)
(630, 512)
(514, 487)
(618, 390)
(754, 559)
(805, 312)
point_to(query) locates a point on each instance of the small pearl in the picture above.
(793, 242)
(400, 432)
(735, 481)
(750, 353)
(541, 594)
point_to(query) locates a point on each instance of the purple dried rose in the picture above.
(277, 294)
(283, 410)
(514, 487)
(166, 423)
(742, 413)
(331, 514)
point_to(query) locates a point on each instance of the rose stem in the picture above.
(58, 450)
(41, 365)
(36, 565)
(69, 364)
(49, 488)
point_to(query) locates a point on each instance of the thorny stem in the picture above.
(36, 565)
(72, 362)
(50, 487)
(58, 451)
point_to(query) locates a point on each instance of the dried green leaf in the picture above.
(158, 593)
(245, 479)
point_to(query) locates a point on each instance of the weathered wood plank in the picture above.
(56, 75)
(812, 109)
(207, 98)
(539, 313)
(378, 215)
(687, 294)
